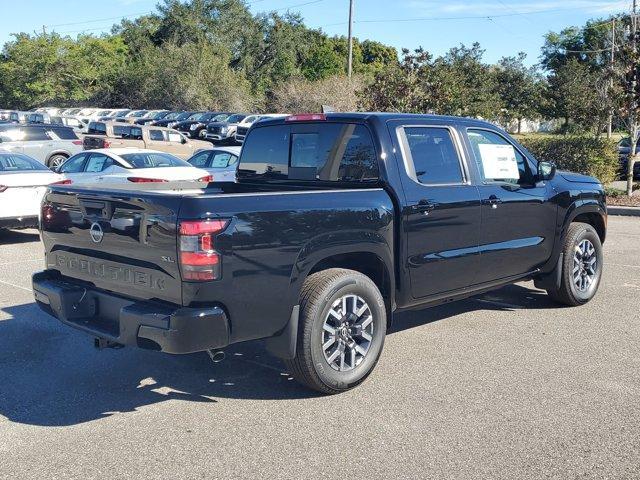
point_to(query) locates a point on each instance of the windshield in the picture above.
(122, 113)
(16, 162)
(220, 118)
(197, 116)
(153, 160)
(173, 116)
(103, 113)
(160, 115)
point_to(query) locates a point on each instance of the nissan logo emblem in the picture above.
(96, 232)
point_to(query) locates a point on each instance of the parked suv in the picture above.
(224, 131)
(49, 144)
(195, 124)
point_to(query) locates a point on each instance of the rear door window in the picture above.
(431, 156)
(35, 134)
(222, 160)
(98, 162)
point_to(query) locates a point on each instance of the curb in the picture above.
(626, 211)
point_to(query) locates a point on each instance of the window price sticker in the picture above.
(499, 162)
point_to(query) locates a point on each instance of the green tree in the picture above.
(574, 92)
(49, 69)
(520, 88)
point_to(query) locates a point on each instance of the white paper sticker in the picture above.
(499, 162)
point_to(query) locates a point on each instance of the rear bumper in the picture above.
(150, 325)
(19, 222)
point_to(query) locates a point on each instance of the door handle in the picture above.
(494, 201)
(423, 206)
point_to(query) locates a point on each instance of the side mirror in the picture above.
(546, 171)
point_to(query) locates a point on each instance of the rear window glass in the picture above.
(97, 128)
(121, 131)
(19, 163)
(153, 160)
(63, 133)
(321, 151)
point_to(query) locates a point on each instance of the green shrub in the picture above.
(597, 157)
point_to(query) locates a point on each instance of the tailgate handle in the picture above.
(94, 208)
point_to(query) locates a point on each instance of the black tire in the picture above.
(56, 161)
(569, 293)
(319, 293)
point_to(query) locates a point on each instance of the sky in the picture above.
(502, 27)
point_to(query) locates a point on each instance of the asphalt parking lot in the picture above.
(506, 385)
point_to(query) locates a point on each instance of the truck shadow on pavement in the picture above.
(18, 236)
(52, 376)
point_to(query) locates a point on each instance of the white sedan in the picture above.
(23, 182)
(221, 162)
(129, 167)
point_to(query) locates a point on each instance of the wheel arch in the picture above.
(590, 213)
(365, 262)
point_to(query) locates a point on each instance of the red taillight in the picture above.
(207, 179)
(306, 117)
(145, 180)
(106, 143)
(77, 142)
(47, 212)
(202, 226)
(63, 182)
(199, 261)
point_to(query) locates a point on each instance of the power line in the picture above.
(98, 20)
(468, 17)
(297, 5)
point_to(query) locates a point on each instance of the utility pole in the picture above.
(613, 48)
(350, 59)
(633, 100)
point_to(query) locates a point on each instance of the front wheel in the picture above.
(343, 324)
(581, 266)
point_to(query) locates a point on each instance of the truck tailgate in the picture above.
(122, 242)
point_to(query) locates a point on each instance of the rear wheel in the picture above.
(56, 161)
(343, 323)
(581, 266)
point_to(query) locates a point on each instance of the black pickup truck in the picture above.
(336, 222)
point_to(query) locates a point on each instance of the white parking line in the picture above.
(622, 265)
(16, 286)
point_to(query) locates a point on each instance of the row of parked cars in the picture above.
(112, 153)
(216, 127)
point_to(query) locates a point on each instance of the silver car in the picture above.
(221, 162)
(51, 145)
